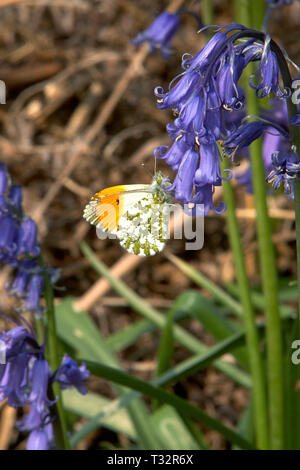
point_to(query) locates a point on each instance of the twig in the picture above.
(8, 418)
(38, 212)
(43, 3)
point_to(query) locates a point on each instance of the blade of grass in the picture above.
(127, 336)
(182, 406)
(178, 372)
(259, 301)
(182, 336)
(215, 323)
(172, 430)
(117, 419)
(52, 356)
(253, 346)
(166, 346)
(80, 332)
(207, 284)
(251, 14)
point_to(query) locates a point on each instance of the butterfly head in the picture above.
(159, 188)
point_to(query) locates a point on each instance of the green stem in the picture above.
(241, 12)
(181, 405)
(270, 286)
(207, 12)
(295, 140)
(258, 10)
(297, 218)
(39, 329)
(52, 355)
(255, 359)
(268, 276)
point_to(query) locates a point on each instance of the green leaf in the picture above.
(171, 430)
(291, 379)
(214, 322)
(127, 336)
(202, 281)
(79, 331)
(165, 350)
(88, 406)
(142, 307)
(259, 302)
(182, 406)
(245, 426)
(184, 369)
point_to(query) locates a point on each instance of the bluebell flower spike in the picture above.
(25, 380)
(209, 105)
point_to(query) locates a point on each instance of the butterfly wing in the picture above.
(107, 206)
(143, 228)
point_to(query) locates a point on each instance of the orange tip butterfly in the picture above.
(137, 214)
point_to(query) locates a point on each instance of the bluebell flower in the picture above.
(34, 293)
(278, 3)
(295, 121)
(21, 346)
(34, 419)
(40, 376)
(209, 169)
(27, 240)
(286, 168)
(203, 97)
(160, 33)
(25, 380)
(8, 240)
(37, 440)
(184, 181)
(180, 93)
(3, 179)
(19, 286)
(70, 375)
(204, 195)
(202, 59)
(15, 197)
(41, 438)
(244, 135)
(269, 73)
(272, 142)
(231, 95)
(172, 155)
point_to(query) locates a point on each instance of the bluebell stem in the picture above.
(25, 380)
(160, 33)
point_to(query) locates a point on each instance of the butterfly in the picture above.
(137, 214)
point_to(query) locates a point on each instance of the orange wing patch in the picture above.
(104, 208)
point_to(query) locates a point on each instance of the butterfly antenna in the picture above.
(147, 169)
